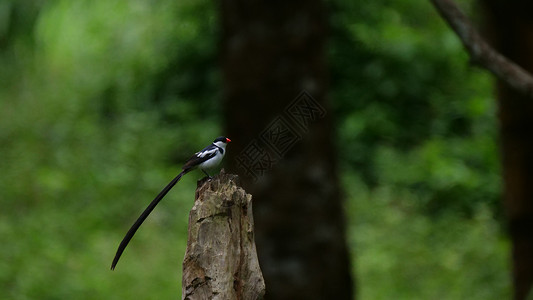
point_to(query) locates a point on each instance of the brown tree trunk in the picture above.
(221, 260)
(510, 25)
(271, 51)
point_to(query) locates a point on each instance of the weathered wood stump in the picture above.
(221, 259)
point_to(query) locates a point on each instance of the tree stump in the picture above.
(221, 259)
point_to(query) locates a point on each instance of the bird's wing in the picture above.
(200, 156)
(143, 217)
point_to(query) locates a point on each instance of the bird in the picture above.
(207, 158)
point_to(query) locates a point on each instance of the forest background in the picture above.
(101, 101)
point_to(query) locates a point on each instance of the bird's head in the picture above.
(221, 141)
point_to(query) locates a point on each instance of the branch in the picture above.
(481, 53)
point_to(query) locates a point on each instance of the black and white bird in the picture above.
(208, 158)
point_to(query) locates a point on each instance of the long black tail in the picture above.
(143, 217)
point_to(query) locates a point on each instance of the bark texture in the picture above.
(221, 260)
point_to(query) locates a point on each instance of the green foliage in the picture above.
(417, 131)
(412, 113)
(403, 254)
(85, 144)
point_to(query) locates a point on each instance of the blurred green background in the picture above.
(101, 101)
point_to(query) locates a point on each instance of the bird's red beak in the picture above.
(228, 140)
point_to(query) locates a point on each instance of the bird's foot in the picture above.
(208, 176)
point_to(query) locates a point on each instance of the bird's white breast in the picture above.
(213, 162)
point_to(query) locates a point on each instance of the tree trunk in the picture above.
(282, 145)
(221, 260)
(510, 25)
